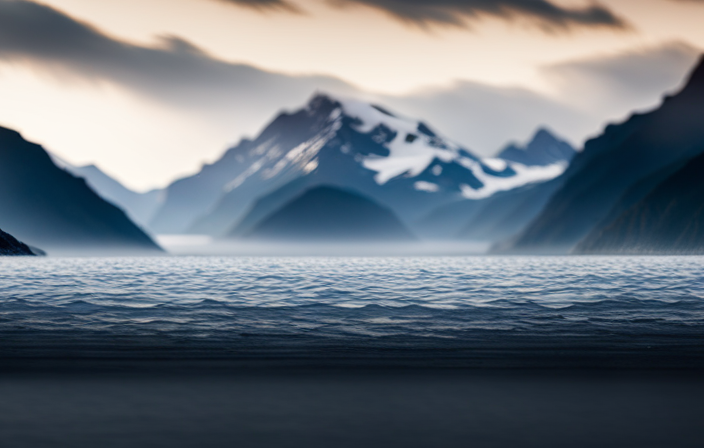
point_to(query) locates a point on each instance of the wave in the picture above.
(433, 303)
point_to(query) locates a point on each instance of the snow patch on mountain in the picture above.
(524, 175)
(412, 151)
(426, 186)
(495, 164)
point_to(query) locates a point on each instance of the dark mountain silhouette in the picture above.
(489, 220)
(669, 220)
(140, 207)
(10, 246)
(45, 206)
(329, 214)
(543, 149)
(269, 204)
(617, 169)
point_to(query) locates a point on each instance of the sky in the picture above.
(149, 90)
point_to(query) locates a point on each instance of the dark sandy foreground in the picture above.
(513, 391)
(103, 404)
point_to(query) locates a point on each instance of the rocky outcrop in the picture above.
(9, 245)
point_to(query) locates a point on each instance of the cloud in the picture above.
(589, 93)
(243, 97)
(546, 14)
(614, 85)
(485, 117)
(424, 13)
(172, 71)
(265, 4)
(238, 99)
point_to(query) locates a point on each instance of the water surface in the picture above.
(475, 306)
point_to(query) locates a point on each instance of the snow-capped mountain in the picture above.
(401, 163)
(416, 151)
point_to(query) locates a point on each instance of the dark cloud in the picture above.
(172, 71)
(459, 12)
(264, 4)
(547, 15)
(242, 98)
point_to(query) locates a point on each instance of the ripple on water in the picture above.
(368, 297)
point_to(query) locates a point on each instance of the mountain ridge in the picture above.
(398, 162)
(668, 220)
(610, 164)
(46, 206)
(139, 206)
(9, 245)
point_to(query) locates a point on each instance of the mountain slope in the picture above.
(611, 164)
(398, 162)
(329, 214)
(140, 207)
(191, 197)
(669, 220)
(45, 206)
(505, 213)
(10, 246)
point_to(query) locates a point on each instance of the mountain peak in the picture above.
(395, 160)
(325, 103)
(543, 134)
(543, 149)
(322, 102)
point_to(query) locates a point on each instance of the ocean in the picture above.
(504, 311)
(348, 352)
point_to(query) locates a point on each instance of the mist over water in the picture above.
(206, 245)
